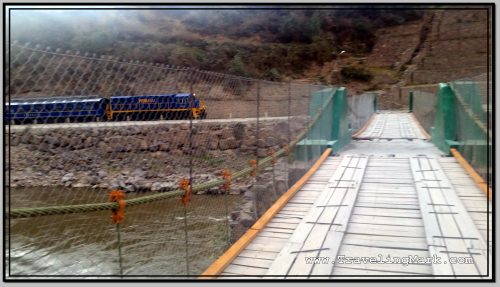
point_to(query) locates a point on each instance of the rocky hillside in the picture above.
(265, 43)
(456, 47)
(444, 45)
(383, 48)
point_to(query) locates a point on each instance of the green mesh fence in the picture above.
(458, 115)
(331, 126)
(423, 105)
(361, 107)
(473, 131)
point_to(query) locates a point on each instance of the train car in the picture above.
(93, 108)
(150, 107)
(56, 109)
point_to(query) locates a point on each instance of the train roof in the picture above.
(177, 95)
(183, 95)
(55, 100)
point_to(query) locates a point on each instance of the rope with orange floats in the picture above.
(271, 153)
(253, 165)
(184, 184)
(118, 217)
(286, 149)
(226, 174)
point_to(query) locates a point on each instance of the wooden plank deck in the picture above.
(318, 234)
(388, 125)
(379, 207)
(385, 223)
(450, 232)
(267, 245)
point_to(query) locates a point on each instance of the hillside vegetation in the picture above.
(270, 44)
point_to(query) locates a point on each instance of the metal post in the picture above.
(310, 113)
(257, 135)
(286, 161)
(289, 109)
(228, 226)
(410, 102)
(119, 248)
(258, 123)
(191, 79)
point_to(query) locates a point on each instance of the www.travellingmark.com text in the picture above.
(388, 259)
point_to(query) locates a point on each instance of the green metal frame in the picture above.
(444, 133)
(331, 128)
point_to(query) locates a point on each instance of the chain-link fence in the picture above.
(199, 156)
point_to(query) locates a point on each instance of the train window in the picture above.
(69, 107)
(37, 108)
(79, 106)
(59, 107)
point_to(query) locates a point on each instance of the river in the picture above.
(152, 238)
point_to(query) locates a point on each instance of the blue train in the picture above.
(94, 108)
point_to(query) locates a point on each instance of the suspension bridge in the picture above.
(384, 194)
(387, 196)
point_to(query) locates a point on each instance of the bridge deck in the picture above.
(390, 194)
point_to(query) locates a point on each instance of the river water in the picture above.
(152, 238)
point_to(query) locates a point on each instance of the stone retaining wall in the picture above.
(138, 157)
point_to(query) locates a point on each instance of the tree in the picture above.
(313, 27)
(289, 29)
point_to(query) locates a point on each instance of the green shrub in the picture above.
(237, 67)
(356, 73)
(272, 75)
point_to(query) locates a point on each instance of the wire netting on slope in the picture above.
(63, 152)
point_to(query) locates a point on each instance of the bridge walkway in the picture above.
(389, 195)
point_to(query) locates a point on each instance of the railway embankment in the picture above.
(141, 157)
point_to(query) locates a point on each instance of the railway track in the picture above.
(141, 123)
